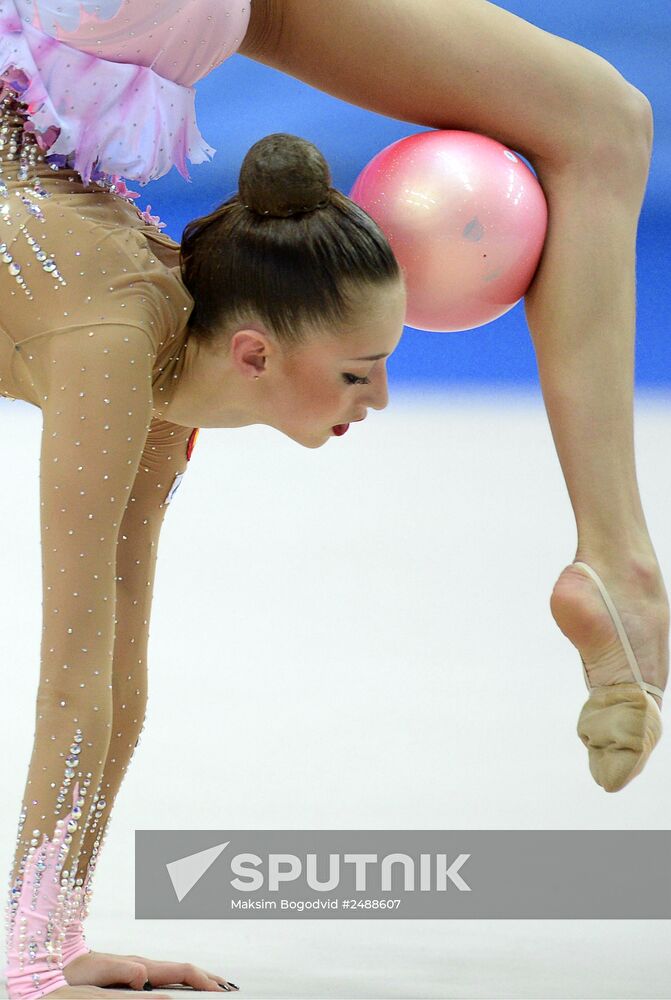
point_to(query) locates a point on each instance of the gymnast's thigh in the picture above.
(466, 64)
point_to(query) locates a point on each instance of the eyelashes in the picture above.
(355, 380)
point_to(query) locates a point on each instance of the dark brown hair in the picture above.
(287, 249)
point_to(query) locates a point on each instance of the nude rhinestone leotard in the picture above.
(93, 327)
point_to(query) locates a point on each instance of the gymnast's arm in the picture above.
(163, 458)
(96, 412)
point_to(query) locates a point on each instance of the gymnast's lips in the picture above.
(341, 429)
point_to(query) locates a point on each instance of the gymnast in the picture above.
(279, 307)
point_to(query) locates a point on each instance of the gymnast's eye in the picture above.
(355, 380)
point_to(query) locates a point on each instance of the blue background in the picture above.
(243, 100)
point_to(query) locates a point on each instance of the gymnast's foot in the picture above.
(98, 968)
(638, 593)
(617, 617)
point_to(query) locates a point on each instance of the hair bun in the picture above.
(283, 174)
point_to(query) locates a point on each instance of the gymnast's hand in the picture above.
(101, 969)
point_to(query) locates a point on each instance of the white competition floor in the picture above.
(359, 637)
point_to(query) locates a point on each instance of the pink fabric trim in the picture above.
(33, 967)
(74, 944)
(117, 117)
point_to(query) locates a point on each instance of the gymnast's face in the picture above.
(303, 392)
(334, 381)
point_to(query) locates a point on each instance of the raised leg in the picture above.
(472, 65)
(581, 310)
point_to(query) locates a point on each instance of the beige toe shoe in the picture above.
(620, 724)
